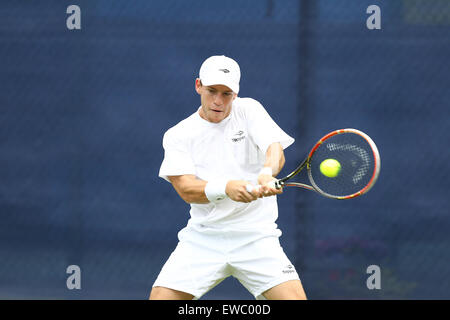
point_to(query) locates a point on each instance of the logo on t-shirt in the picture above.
(238, 136)
(224, 70)
(289, 269)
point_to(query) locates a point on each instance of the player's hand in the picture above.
(266, 190)
(237, 191)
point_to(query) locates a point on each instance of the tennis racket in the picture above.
(359, 161)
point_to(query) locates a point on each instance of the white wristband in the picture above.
(266, 170)
(215, 190)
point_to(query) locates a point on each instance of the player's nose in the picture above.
(218, 100)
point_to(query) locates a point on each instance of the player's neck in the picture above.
(203, 115)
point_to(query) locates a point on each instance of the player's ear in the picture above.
(198, 85)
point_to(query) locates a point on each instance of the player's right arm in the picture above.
(192, 190)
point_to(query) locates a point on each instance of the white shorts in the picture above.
(202, 260)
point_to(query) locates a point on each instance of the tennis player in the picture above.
(220, 161)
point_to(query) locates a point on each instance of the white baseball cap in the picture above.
(220, 70)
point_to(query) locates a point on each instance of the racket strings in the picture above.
(356, 160)
(359, 152)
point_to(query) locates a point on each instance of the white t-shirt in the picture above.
(233, 149)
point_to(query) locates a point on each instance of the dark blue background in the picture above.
(83, 112)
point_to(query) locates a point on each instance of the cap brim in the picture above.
(225, 82)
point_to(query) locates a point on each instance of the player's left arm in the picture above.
(272, 166)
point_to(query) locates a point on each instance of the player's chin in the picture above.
(217, 116)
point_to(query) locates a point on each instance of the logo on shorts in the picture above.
(238, 136)
(289, 269)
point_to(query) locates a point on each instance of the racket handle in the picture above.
(274, 184)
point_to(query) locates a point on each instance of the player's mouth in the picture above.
(218, 111)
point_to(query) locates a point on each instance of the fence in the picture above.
(83, 112)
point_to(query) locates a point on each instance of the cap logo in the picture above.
(224, 70)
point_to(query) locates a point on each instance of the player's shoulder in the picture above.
(181, 129)
(247, 102)
(247, 106)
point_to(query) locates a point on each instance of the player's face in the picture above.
(216, 101)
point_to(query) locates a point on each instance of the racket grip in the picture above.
(274, 184)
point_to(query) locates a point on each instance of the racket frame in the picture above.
(377, 163)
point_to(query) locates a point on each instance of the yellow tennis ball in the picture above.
(330, 168)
